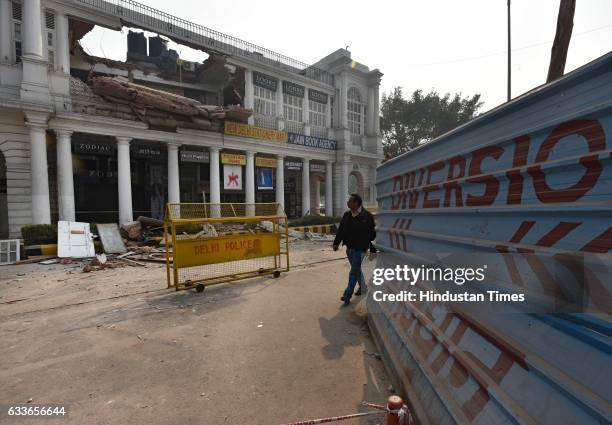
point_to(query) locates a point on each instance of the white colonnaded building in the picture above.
(84, 138)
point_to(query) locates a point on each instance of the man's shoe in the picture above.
(346, 300)
(358, 293)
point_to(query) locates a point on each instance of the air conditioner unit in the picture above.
(189, 66)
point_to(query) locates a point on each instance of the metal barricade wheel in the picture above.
(200, 287)
(276, 273)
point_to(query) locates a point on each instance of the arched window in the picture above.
(355, 111)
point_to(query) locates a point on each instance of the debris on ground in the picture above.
(111, 238)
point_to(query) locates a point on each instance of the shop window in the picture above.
(264, 101)
(292, 107)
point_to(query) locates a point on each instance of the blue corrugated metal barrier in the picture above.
(518, 187)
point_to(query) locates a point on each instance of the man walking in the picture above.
(357, 232)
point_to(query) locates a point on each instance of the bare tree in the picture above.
(558, 54)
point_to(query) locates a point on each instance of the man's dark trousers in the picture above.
(355, 258)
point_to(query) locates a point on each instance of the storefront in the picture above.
(232, 172)
(265, 179)
(293, 188)
(96, 179)
(194, 174)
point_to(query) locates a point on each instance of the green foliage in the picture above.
(36, 234)
(407, 123)
(313, 220)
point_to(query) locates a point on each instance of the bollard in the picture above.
(397, 412)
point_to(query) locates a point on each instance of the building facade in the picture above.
(70, 152)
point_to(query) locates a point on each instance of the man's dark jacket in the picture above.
(357, 232)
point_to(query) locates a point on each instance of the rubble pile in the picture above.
(164, 109)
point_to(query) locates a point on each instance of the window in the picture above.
(317, 113)
(355, 111)
(50, 31)
(265, 101)
(292, 107)
(17, 30)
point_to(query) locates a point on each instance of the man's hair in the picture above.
(355, 197)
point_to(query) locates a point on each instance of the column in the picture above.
(376, 110)
(306, 113)
(345, 178)
(369, 128)
(32, 29)
(6, 44)
(124, 179)
(342, 102)
(280, 181)
(249, 94)
(62, 51)
(305, 186)
(35, 81)
(174, 190)
(329, 199)
(41, 209)
(250, 183)
(65, 182)
(215, 188)
(317, 196)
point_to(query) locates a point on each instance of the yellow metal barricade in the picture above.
(216, 243)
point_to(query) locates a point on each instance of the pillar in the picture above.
(376, 110)
(250, 183)
(62, 50)
(249, 101)
(65, 181)
(124, 180)
(32, 29)
(174, 190)
(6, 34)
(305, 186)
(41, 208)
(215, 188)
(35, 79)
(345, 178)
(329, 209)
(317, 196)
(280, 181)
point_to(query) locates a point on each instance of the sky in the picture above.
(446, 45)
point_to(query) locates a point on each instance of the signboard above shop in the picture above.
(293, 89)
(293, 165)
(148, 151)
(265, 81)
(94, 148)
(233, 159)
(311, 141)
(265, 162)
(195, 156)
(317, 168)
(244, 130)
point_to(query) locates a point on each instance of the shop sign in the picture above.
(195, 156)
(94, 148)
(265, 81)
(293, 89)
(147, 151)
(317, 96)
(232, 177)
(245, 130)
(264, 179)
(311, 141)
(317, 168)
(233, 159)
(265, 162)
(293, 165)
